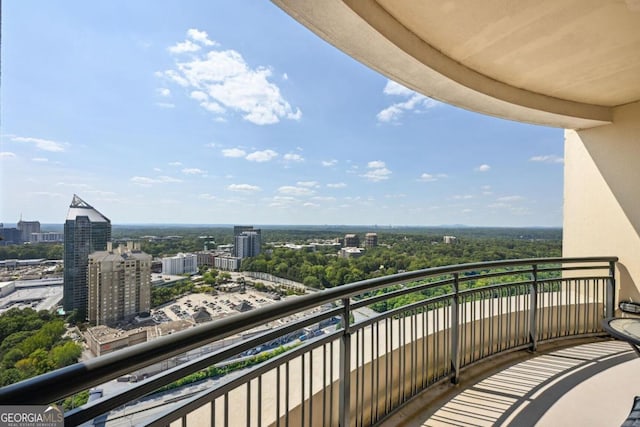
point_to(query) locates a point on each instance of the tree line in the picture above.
(396, 253)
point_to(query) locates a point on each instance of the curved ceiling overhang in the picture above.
(367, 32)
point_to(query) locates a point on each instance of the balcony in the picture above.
(432, 328)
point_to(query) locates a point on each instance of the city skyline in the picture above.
(215, 114)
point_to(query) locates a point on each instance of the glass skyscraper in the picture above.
(85, 231)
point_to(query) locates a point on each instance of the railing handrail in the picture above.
(64, 382)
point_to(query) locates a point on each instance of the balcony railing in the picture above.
(428, 326)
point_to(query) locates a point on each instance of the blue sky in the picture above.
(220, 113)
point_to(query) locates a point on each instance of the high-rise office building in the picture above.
(371, 240)
(85, 231)
(27, 228)
(119, 284)
(351, 241)
(247, 241)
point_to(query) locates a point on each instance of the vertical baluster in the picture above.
(455, 341)
(345, 367)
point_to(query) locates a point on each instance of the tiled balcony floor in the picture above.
(590, 384)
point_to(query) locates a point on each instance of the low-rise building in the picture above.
(227, 263)
(103, 339)
(180, 264)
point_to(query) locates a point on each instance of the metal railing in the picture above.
(397, 336)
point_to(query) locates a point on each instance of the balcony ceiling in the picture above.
(564, 63)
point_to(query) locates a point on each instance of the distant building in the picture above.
(351, 241)
(205, 258)
(85, 231)
(27, 228)
(370, 240)
(450, 240)
(119, 284)
(227, 263)
(50, 237)
(248, 241)
(350, 252)
(180, 264)
(10, 236)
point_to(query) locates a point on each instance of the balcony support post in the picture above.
(611, 290)
(533, 309)
(455, 331)
(345, 367)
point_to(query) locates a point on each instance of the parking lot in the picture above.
(218, 306)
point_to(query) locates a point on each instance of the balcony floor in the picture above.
(587, 384)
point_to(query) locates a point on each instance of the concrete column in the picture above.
(602, 195)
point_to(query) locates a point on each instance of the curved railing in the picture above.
(429, 324)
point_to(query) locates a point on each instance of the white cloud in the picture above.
(291, 157)
(175, 163)
(157, 170)
(262, 156)
(377, 171)
(415, 102)
(510, 198)
(324, 198)
(311, 205)
(310, 184)
(393, 88)
(193, 171)
(42, 144)
(199, 96)
(184, 47)
(146, 181)
(246, 188)
(295, 191)
(285, 76)
(483, 168)
(6, 154)
(229, 83)
(327, 163)
(206, 196)
(79, 186)
(427, 177)
(40, 159)
(233, 152)
(376, 164)
(165, 105)
(462, 197)
(550, 158)
(163, 91)
(45, 194)
(200, 36)
(337, 185)
(214, 107)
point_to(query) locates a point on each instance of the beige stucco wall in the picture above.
(602, 195)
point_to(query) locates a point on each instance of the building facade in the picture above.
(85, 231)
(371, 240)
(227, 263)
(9, 235)
(27, 228)
(351, 241)
(180, 264)
(119, 284)
(48, 237)
(248, 242)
